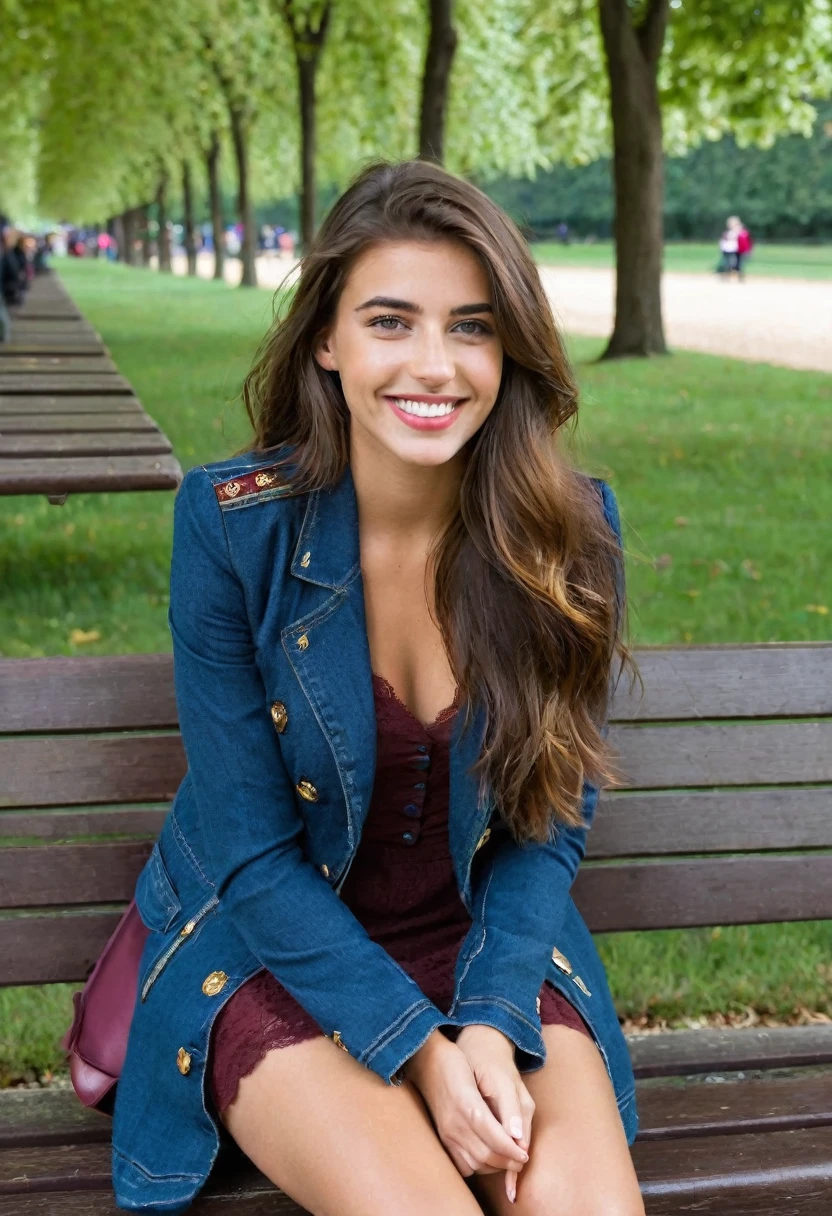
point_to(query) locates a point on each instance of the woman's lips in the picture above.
(418, 422)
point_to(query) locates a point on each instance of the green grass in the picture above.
(782, 261)
(739, 451)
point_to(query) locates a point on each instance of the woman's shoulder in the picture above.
(242, 480)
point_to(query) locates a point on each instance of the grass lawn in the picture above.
(783, 261)
(722, 473)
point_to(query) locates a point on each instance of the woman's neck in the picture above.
(406, 501)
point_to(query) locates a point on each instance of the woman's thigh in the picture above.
(579, 1161)
(340, 1141)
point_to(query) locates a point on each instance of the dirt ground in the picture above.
(768, 320)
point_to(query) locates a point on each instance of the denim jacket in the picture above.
(275, 701)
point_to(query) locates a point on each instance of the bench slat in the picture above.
(52, 949)
(37, 1117)
(50, 345)
(62, 771)
(57, 825)
(15, 404)
(701, 821)
(90, 474)
(111, 692)
(68, 365)
(708, 1050)
(141, 442)
(32, 423)
(712, 891)
(734, 1107)
(54, 383)
(773, 680)
(744, 753)
(65, 874)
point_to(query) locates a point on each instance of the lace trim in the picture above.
(443, 715)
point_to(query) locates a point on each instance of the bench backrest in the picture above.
(725, 817)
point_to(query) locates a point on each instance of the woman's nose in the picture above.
(431, 361)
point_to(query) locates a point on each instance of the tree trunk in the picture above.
(633, 54)
(245, 212)
(115, 229)
(188, 207)
(163, 239)
(307, 71)
(127, 250)
(144, 232)
(436, 81)
(212, 165)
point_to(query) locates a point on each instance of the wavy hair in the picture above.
(527, 590)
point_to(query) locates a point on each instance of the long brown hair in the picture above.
(525, 583)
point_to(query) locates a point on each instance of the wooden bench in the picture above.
(69, 423)
(727, 819)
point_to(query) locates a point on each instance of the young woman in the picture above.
(394, 623)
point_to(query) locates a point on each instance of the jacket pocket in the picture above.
(184, 935)
(156, 897)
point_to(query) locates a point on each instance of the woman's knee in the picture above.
(544, 1193)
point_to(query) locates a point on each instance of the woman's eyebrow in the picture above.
(464, 310)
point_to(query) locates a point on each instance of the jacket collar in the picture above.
(327, 552)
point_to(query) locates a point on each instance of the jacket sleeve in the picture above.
(518, 912)
(285, 911)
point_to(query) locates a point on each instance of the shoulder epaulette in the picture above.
(260, 482)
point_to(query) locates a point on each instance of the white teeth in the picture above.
(424, 409)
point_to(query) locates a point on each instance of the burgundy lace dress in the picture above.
(401, 887)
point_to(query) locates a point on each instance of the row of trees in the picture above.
(107, 104)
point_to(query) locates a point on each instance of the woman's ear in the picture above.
(324, 352)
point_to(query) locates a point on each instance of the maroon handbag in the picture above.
(97, 1039)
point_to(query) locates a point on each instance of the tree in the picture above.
(439, 57)
(212, 166)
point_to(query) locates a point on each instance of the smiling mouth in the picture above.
(428, 407)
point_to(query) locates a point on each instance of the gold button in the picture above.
(560, 960)
(325, 871)
(482, 840)
(183, 1061)
(576, 979)
(187, 929)
(279, 716)
(304, 561)
(338, 1041)
(214, 983)
(303, 642)
(307, 790)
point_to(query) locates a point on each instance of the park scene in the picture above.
(163, 173)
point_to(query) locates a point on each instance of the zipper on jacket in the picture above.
(180, 939)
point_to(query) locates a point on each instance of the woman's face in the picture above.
(416, 348)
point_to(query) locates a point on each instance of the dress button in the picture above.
(412, 810)
(422, 762)
(408, 838)
(420, 785)
(420, 747)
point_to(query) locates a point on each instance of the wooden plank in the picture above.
(89, 474)
(97, 421)
(773, 680)
(785, 1173)
(62, 875)
(688, 1052)
(61, 825)
(68, 365)
(68, 405)
(800, 1098)
(84, 770)
(35, 1117)
(87, 693)
(149, 442)
(743, 753)
(712, 891)
(705, 821)
(52, 346)
(53, 948)
(65, 383)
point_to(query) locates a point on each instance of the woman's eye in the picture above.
(387, 323)
(479, 328)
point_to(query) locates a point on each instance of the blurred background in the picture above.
(669, 163)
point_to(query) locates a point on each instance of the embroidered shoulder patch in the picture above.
(248, 485)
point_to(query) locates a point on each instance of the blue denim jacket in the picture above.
(275, 701)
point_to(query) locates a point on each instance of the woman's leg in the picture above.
(340, 1141)
(579, 1162)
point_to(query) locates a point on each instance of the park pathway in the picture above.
(769, 320)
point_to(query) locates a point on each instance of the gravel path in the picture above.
(770, 320)
(784, 321)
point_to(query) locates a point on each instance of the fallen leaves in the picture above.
(820, 609)
(750, 570)
(681, 521)
(81, 637)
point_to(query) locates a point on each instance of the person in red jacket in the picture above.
(744, 243)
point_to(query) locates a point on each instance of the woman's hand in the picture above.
(491, 1058)
(472, 1135)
